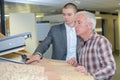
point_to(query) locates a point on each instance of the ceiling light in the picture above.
(97, 12)
(6, 15)
(98, 17)
(98, 29)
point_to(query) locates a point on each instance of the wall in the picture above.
(110, 29)
(24, 22)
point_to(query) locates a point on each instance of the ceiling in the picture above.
(54, 6)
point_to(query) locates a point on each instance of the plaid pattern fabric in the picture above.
(96, 56)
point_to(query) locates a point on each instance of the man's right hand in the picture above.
(72, 62)
(32, 58)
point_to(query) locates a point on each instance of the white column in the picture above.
(119, 30)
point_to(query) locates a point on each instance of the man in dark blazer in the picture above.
(58, 37)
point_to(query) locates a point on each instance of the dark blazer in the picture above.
(57, 37)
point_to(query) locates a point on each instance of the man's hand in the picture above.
(33, 58)
(81, 69)
(72, 61)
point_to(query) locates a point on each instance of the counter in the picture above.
(46, 69)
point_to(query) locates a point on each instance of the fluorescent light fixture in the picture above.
(98, 17)
(6, 15)
(98, 29)
(39, 16)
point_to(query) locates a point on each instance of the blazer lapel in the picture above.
(64, 35)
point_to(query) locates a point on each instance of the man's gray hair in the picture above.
(90, 16)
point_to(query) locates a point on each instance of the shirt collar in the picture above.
(93, 36)
(68, 27)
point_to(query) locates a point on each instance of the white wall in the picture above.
(24, 22)
(42, 30)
